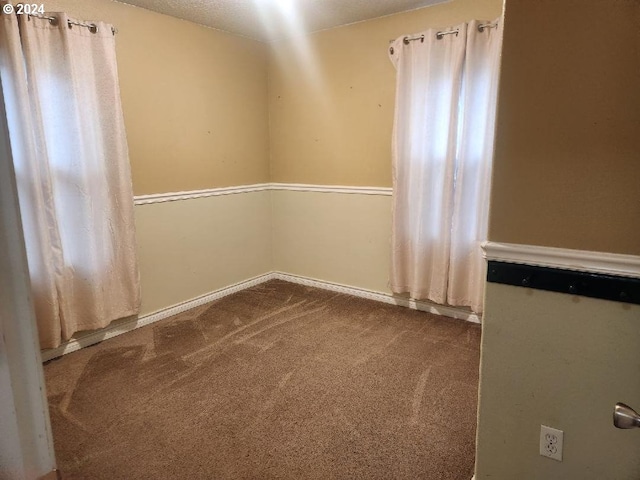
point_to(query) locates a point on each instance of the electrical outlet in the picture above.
(551, 442)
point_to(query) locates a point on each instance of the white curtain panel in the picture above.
(70, 154)
(442, 153)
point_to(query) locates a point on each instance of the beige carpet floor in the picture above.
(277, 381)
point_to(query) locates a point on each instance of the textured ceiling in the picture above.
(270, 19)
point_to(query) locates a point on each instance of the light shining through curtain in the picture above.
(442, 153)
(70, 154)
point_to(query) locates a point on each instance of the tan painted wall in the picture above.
(562, 361)
(194, 99)
(335, 128)
(567, 166)
(341, 238)
(195, 107)
(193, 247)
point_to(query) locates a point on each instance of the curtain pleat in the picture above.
(74, 183)
(442, 152)
(474, 160)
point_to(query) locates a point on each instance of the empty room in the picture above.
(298, 239)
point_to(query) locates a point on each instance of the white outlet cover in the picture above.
(551, 442)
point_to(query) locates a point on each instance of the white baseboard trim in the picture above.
(128, 325)
(564, 258)
(258, 187)
(444, 310)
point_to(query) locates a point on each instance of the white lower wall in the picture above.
(337, 237)
(194, 247)
(197, 246)
(563, 361)
(191, 247)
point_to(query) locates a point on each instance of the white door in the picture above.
(26, 445)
